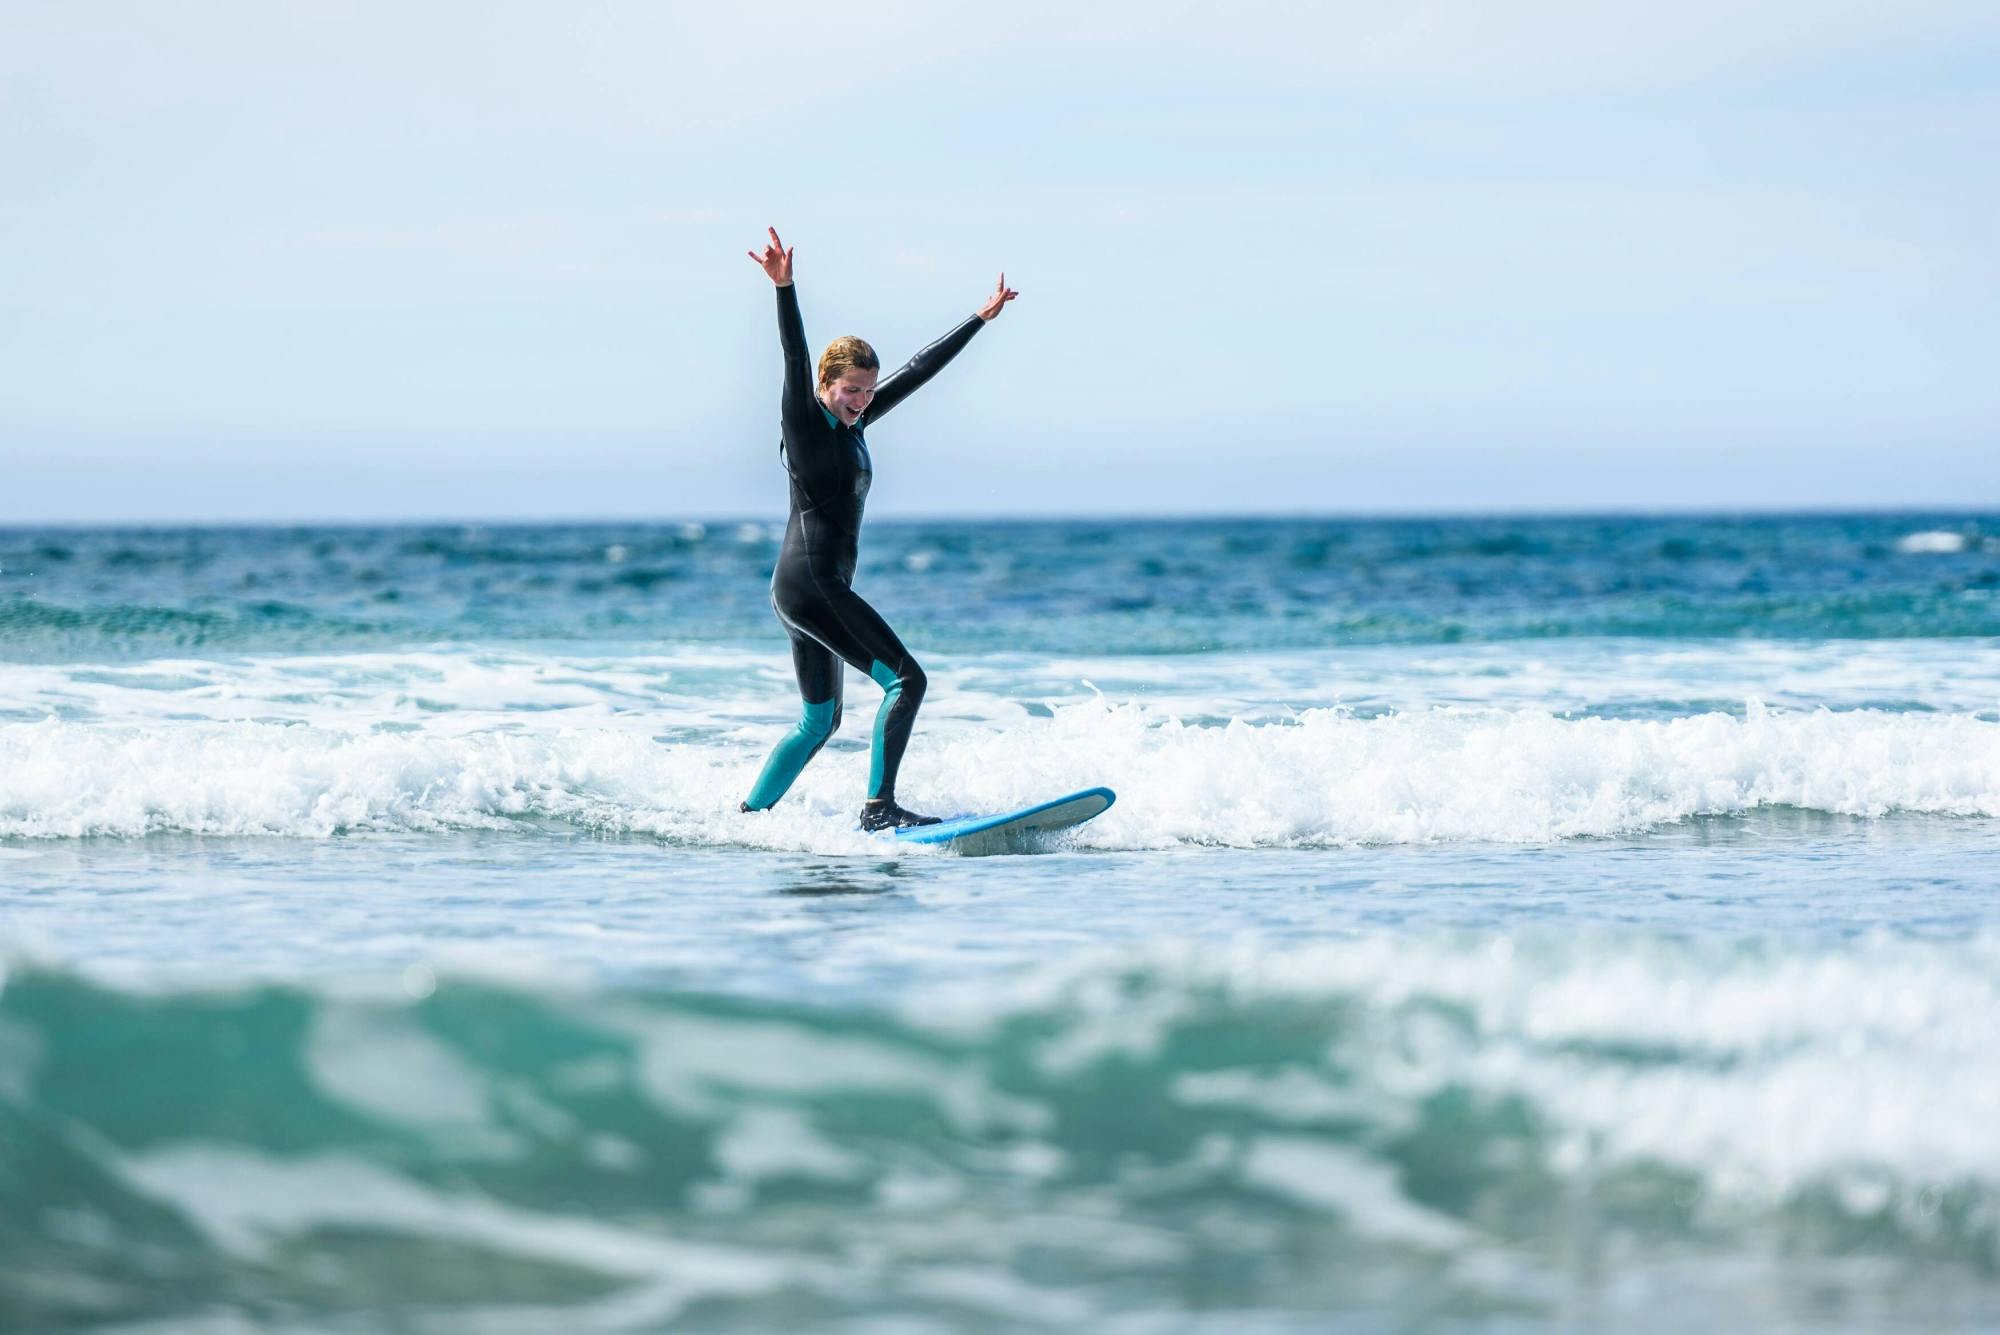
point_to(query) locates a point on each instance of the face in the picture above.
(848, 397)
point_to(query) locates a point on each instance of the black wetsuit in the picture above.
(828, 622)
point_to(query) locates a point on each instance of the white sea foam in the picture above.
(1932, 542)
(1760, 1071)
(1479, 774)
(466, 689)
(1323, 777)
(1388, 745)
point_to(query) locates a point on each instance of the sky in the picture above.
(273, 260)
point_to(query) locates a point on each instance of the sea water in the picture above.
(1504, 924)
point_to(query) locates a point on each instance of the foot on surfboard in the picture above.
(889, 816)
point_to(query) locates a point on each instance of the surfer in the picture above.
(829, 624)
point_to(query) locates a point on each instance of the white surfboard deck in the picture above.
(1012, 831)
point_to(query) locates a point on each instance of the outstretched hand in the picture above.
(775, 260)
(1002, 294)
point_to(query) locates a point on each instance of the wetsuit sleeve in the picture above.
(799, 402)
(911, 376)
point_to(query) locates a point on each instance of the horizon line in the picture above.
(1384, 515)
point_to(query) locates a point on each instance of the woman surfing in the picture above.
(822, 420)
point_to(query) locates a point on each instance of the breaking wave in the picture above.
(1323, 777)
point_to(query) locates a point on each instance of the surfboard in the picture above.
(1011, 831)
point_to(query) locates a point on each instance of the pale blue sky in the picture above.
(307, 260)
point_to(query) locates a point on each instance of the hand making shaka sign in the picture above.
(776, 260)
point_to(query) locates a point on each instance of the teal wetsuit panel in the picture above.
(878, 750)
(798, 746)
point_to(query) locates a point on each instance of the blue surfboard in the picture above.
(1012, 831)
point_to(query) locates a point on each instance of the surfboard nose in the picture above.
(1018, 831)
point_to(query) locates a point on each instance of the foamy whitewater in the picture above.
(1525, 924)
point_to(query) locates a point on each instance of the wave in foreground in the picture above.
(1638, 1132)
(1324, 778)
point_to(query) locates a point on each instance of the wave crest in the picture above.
(1323, 778)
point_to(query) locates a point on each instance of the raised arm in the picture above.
(909, 377)
(776, 261)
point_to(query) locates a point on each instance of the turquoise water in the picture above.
(1505, 924)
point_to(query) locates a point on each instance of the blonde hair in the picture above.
(844, 354)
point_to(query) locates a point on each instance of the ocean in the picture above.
(1505, 924)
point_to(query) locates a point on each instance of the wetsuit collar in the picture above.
(832, 419)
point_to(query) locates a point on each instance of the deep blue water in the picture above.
(1051, 587)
